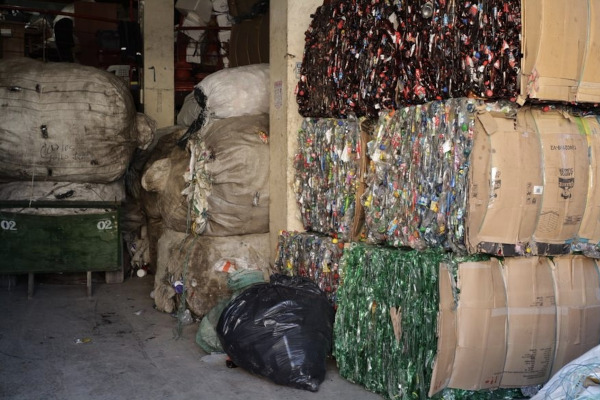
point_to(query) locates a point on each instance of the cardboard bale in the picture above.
(531, 309)
(529, 181)
(588, 237)
(559, 46)
(446, 331)
(578, 307)
(504, 180)
(481, 327)
(565, 169)
(513, 323)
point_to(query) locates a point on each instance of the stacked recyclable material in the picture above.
(193, 271)
(67, 123)
(417, 182)
(386, 322)
(458, 49)
(68, 135)
(228, 179)
(350, 61)
(466, 163)
(230, 92)
(312, 256)
(327, 166)
(363, 57)
(470, 176)
(209, 179)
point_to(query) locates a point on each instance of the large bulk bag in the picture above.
(228, 182)
(64, 122)
(230, 92)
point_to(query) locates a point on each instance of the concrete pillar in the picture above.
(289, 21)
(158, 91)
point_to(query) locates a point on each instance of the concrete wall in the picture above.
(289, 21)
(158, 94)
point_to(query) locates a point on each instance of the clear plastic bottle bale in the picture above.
(326, 174)
(281, 330)
(419, 159)
(417, 182)
(313, 256)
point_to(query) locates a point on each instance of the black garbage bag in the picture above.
(281, 330)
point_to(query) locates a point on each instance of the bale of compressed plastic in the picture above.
(417, 180)
(66, 122)
(362, 57)
(386, 325)
(484, 177)
(313, 256)
(327, 174)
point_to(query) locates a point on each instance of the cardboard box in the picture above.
(565, 168)
(506, 185)
(578, 303)
(514, 323)
(589, 230)
(532, 183)
(559, 44)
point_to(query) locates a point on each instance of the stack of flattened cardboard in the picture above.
(560, 57)
(516, 321)
(533, 183)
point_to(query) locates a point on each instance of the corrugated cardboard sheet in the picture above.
(560, 47)
(532, 183)
(515, 322)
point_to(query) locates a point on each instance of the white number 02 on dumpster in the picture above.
(104, 225)
(8, 225)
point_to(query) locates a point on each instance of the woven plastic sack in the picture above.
(230, 92)
(228, 182)
(66, 122)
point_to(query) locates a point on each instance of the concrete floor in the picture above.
(60, 344)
